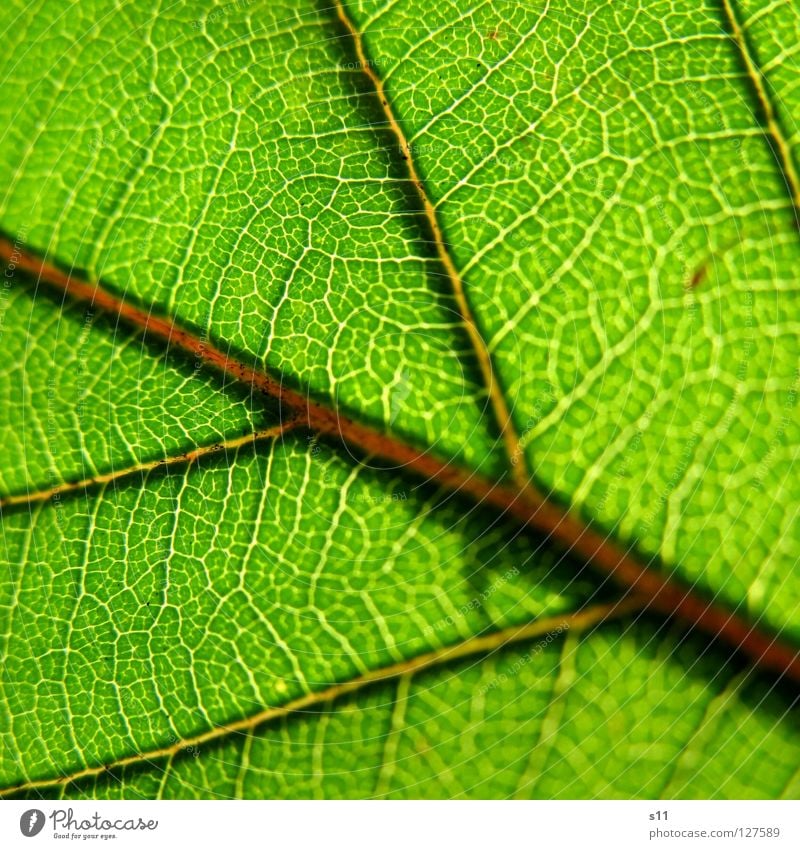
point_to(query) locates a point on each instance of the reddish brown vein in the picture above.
(666, 595)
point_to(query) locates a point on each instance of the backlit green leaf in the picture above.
(417, 216)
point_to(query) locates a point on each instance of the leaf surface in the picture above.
(595, 201)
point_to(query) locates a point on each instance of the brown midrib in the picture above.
(666, 595)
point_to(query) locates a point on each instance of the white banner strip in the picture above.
(402, 825)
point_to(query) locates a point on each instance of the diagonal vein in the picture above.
(779, 142)
(497, 399)
(666, 595)
(188, 457)
(580, 621)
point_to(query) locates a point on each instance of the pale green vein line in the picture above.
(581, 621)
(716, 706)
(185, 458)
(497, 399)
(783, 152)
(396, 726)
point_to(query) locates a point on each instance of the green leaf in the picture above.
(543, 257)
